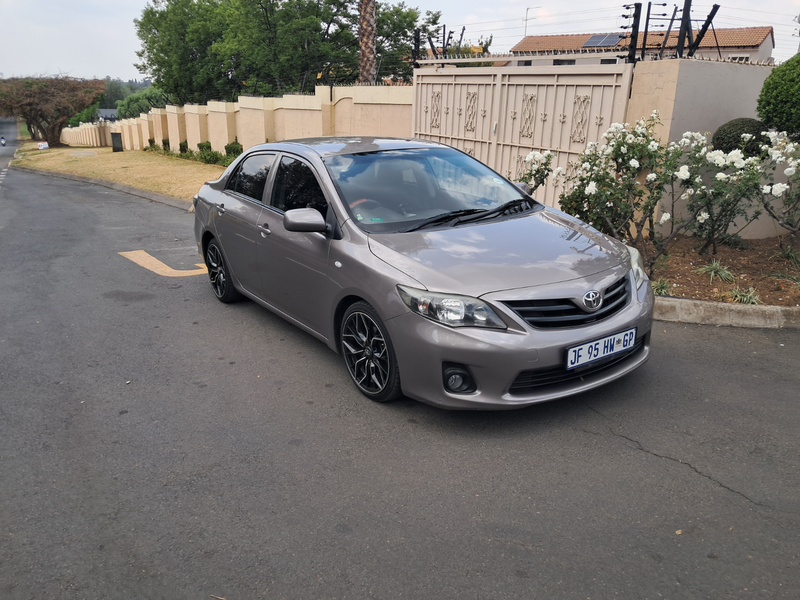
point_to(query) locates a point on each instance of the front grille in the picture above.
(533, 380)
(565, 313)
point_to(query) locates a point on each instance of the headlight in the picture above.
(450, 309)
(637, 266)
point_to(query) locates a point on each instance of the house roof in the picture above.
(741, 37)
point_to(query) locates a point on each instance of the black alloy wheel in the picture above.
(218, 274)
(369, 354)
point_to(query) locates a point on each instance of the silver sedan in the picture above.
(433, 276)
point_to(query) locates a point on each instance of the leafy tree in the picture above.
(177, 39)
(48, 103)
(87, 115)
(141, 102)
(780, 97)
(116, 89)
(205, 49)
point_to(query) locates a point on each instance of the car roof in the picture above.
(336, 145)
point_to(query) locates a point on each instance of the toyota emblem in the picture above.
(592, 300)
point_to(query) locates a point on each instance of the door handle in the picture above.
(220, 208)
(264, 229)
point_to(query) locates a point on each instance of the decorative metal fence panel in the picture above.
(500, 114)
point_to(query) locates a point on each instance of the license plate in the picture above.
(592, 351)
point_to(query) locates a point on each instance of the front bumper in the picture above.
(496, 358)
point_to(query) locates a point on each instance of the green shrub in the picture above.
(184, 147)
(729, 136)
(780, 97)
(165, 144)
(233, 149)
(188, 155)
(227, 160)
(210, 157)
(204, 146)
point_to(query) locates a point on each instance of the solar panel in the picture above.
(594, 41)
(602, 40)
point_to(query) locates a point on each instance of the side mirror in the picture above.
(304, 219)
(524, 187)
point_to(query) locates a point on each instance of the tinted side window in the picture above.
(297, 187)
(251, 176)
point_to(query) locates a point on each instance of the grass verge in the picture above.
(149, 171)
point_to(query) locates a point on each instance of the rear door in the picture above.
(237, 217)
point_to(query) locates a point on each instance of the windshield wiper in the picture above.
(453, 215)
(509, 207)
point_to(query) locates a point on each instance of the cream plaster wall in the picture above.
(176, 126)
(255, 123)
(196, 116)
(221, 124)
(160, 126)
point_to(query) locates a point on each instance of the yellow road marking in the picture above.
(151, 263)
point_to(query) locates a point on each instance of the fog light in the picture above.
(457, 379)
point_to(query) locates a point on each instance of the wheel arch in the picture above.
(338, 316)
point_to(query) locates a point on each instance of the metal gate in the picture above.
(499, 114)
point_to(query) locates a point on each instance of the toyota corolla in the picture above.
(433, 276)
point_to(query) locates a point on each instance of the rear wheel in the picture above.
(219, 275)
(368, 353)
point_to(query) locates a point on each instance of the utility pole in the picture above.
(686, 26)
(637, 17)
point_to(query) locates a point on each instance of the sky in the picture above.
(97, 38)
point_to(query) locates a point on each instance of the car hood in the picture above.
(542, 248)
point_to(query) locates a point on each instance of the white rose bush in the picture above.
(633, 188)
(782, 200)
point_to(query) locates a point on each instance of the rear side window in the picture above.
(296, 186)
(251, 176)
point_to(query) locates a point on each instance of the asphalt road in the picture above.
(156, 444)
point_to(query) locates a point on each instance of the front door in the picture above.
(294, 265)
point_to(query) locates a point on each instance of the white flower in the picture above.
(664, 218)
(698, 179)
(591, 188)
(689, 192)
(721, 177)
(778, 189)
(652, 146)
(766, 189)
(586, 166)
(789, 172)
(701, 218)
(652, 177)
(747, 137)
(683, 173)
(623, 149)
(609, 203)
(634, 163)
(630, 139)
(558, 172)
(684, 196)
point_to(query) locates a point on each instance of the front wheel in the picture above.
(368, 353)
(218, 274)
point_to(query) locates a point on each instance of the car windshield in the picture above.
(399, 190)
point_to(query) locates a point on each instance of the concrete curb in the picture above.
(680, 310)
(152, 196)
(707, 312)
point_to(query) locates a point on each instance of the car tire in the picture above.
(369, 354)
(219, 275)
